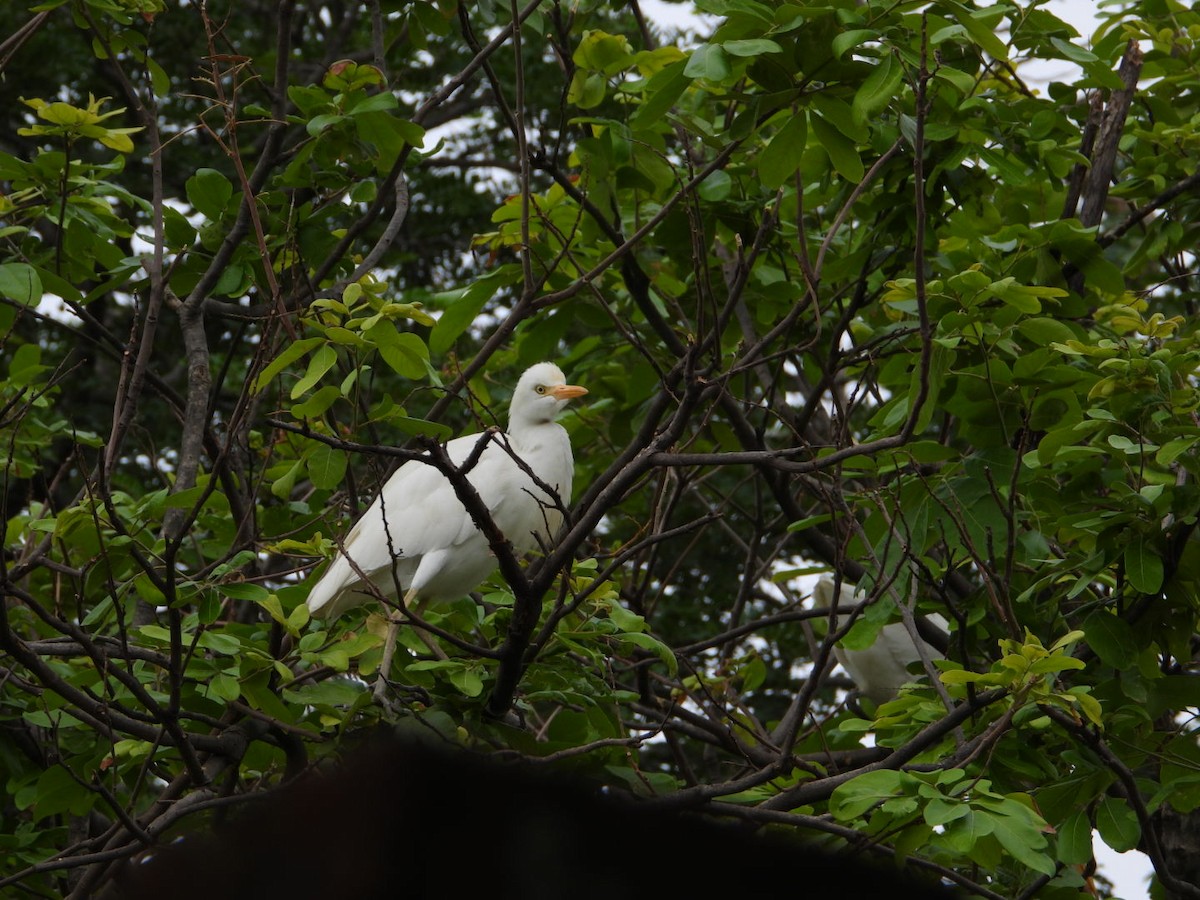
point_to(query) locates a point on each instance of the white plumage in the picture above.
(880, 670)
(418, 525)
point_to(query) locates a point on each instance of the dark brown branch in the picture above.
(1180, 188)
(1094, 191)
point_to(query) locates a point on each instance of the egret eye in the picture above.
(541, 389)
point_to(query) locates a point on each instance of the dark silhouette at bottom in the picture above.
(407, 820)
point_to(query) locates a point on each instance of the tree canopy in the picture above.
(851, 296)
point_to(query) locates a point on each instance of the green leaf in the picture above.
(878, 89)
(842, 152)
(941, 810)
(464, 305)
(322, 361)
(20, 282)
(1118, 824)
(297, 618)
(178, 231)
(654, 645)
(57, 792)
(209, 192)
(1111, 639)
(208, 609)
(1054, 441)
(462, 675)
(982, 34)
(1122, 443)
(715, 187)
(288, 356)
(25, 365)
(326, 466)
(224, 687)
(331, 692)
(185, 499)
(1056, 663)
(160, 82)
(317, 403)
(467, 680)
(964, 676)
(963, 82)
(234, 282)
(623, 618)
(853, 798)
(1021, 836)
(254, 593)
(587, 89)
(751, 47)
(662, 90)
(1143, 565)
(219, 642)
(964, 834)
(381, 102)
(809, 522)
(317, 124)
(708, 61)
(404, 352)
(1043, 331)
(353, 647)
(1016, 295)
(1075, 840)
(780, 159)
(258, 693)
(388, 134)
(753, 674)
(599, 51)
(1173, 449)
(841, 116)
(1088, 705)
(155, 633)
(848, 39)
(1073, 53)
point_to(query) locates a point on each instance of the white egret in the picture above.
(418, 535)
(881, 669)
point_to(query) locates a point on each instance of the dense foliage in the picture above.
(851, 295)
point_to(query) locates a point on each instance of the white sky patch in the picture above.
(54, 307)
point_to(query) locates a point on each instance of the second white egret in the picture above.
(881, 669)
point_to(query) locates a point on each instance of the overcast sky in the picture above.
(1080, 13)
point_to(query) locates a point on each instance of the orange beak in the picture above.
(567, 391)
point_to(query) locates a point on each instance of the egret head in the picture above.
(541, 394)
